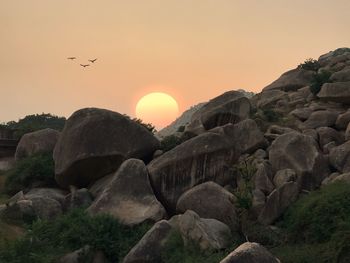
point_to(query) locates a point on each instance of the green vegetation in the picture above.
(310, 64)
(320, 79)
(149, 126)
(35, 122)
(318, 227)
(37, 169)
(170, 142)
(176, 252)
(243, 192)
(181, 128)
(47, 241)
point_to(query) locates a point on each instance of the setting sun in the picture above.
(157, 108)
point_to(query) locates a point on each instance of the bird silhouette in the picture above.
(71, 58)
(92, 60)
(84, 65)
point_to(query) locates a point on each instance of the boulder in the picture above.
(337, 92)
(329, 179)
(79, 255)
(269, 98)
(129, 196)
(292, 80)
(277, 202)
(46, 208)
(97, 187)
(347, 133)
(210, 200)
(341, 76)
(311, 166)
(151, 245)
(208, 234)
(250, 253)
(42, 141)
(230, 107)
(51, 193)
(339, 157)
(327, 135)
(80, 198)
(301, 113)
(322, 118)
(258, 201)
(343, 120)
(206, 157)
(342, 178)
(284, 176)
(262, 178)
(94, 143)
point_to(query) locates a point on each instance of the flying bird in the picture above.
(71, 58)
(84, 65)
(92, 60)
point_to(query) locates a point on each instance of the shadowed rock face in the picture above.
(129, 196)
(230, 107)
(206, 157)
(300, 153)
(337, 92)
(42, 141)
(292, 80)
(94, 142)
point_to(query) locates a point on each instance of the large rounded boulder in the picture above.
(94, 143)
(42, 141)
(230, 107)
(301, 153)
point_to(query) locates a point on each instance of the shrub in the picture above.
(170, 142)
(175, 251)
(181, 128)
(243, 192)
(37, 169)
(31, 123)
(310, 64)
(320, 79)
(46, 241)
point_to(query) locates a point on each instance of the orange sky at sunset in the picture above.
(193, 50)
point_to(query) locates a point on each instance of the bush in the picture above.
(170, 142)
(149, 126)
(35, 122)
(320, 79)
(175, 251)
(46, 241)
(37, 169)
(318, 227)
(310, 64)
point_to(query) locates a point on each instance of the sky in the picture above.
(193, 50)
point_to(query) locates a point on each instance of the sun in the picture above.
(157, 108)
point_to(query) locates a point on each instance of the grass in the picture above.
(47, 241)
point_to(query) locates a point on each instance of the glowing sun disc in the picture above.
(157, 108)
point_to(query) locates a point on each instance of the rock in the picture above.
(334, 57)
(311, 167)
(157, 153)
(284, 176)
(42, 141)
(343, 178)
(250, 253)
(327, 135)
(262, 178)
(278, 201)
(97, 187)
(230, 107)
(312, 133)
(343, 120)
(46, 208)
(328, 147)
(208, 234)
(129, 196)
(258, 201)
(94, 142)
(150, 247)
(260, 154)
(80, 198)
(51, 193)
(337, 92)
(329, 178)
(292, 80)
(320, 119)
(203, 158)
(301, 113)
(210, 200)
(341, 76)
(269, 98)
(339, 157)
(347, 133)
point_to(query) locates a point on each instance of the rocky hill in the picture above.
(261, 179)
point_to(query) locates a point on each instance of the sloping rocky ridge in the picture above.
(289, 140)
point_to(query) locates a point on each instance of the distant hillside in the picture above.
(186, 117)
